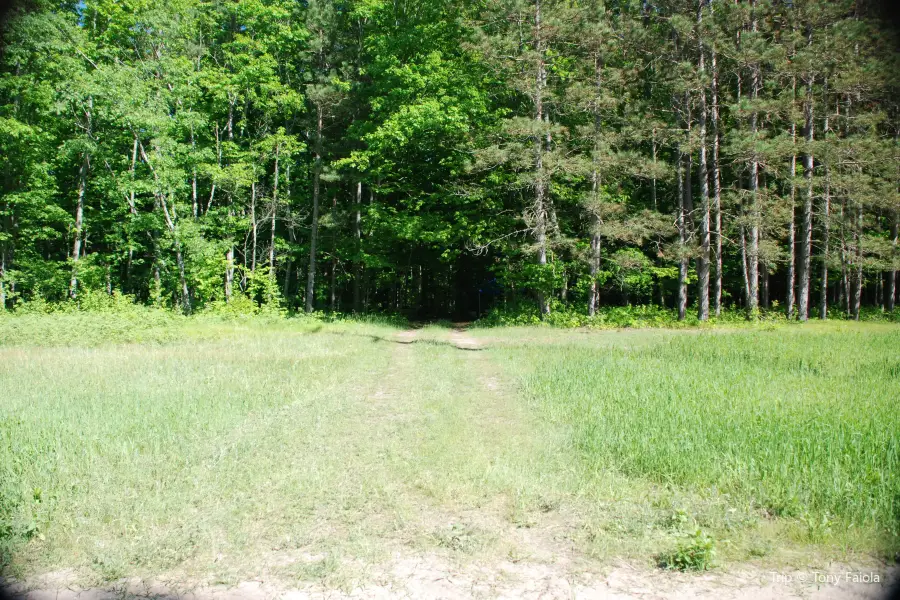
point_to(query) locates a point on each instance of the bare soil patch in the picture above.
(436, 577)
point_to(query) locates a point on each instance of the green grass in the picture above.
(790, 421)
(215, 449)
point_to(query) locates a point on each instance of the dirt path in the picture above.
(463, 340)
(539, 562)
(429, 577)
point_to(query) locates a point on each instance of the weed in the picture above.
(760, 549)
(696, 553)
(460, 537)
(318, 569)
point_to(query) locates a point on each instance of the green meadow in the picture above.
(206, 448)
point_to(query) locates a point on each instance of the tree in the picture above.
(419, 154)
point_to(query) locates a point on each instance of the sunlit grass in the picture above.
(792, 422)
(220, 448)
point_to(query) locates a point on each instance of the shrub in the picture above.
(696, 553)
(644, 316)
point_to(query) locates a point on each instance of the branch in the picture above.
(482, 248)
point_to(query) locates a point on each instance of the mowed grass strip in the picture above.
(798, 422)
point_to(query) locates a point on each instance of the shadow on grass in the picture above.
(380, 338)
(110, 593)
(376, 338)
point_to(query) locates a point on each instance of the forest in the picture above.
(271, 275)
(441, 158)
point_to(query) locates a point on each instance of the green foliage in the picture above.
(632, 273)
(17, 524)
(606, 317)
(166, 138)
(696, 553)
(460, 537)
(646, 315)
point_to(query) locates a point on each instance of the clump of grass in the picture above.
(760, 549)
(695, 553)
(320, 569)
(460, 537)
(17, 524)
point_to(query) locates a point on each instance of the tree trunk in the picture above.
(791, 275)
(157, 284)
(717, 184)
(79, 205)
(682, 248)
(857, 289)
(744, 269)
(212, 187)
(540, 208)
(2, 278)
(79, 223)
(594, 298)
(253, 227)
(229, 272)
(274, 215)
(879, 291)
(845, 276)
(653, 181)
(806, 227)
(826, 228)
(892, 274)
(357, 236)
(170, 220)
(594, 293)
(185, 291)
(333, 274)
(195, 210)
(703, 259)
(753, 253)
(333, 284)
(314, 229)
(289, 263)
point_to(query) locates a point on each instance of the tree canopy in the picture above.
(439, 157)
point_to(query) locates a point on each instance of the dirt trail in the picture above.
(431, 577)
(463, 340)
(553, 569)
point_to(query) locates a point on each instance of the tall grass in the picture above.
(235, 444)
(139, 442)
(109, 450)
(798, 422)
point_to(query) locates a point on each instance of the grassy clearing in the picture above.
(218, 449)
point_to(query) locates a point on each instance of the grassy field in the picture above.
(215, 449)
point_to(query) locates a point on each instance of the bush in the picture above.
(696, 553)
(243, 306)
(645, 316)
(38, 322)
(385, 319)
(607, 317)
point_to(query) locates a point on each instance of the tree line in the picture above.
(391, 155)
